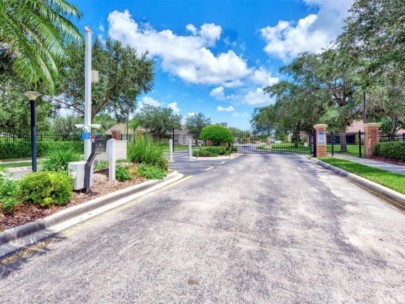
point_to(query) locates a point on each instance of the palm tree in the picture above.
(33, 33)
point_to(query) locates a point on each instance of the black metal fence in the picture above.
(392, 137)
(346, 144)
(11, 137)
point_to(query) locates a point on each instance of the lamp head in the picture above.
(32, 95)
(87, 29)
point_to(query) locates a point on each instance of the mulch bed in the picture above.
(388, 160)
(26, 213)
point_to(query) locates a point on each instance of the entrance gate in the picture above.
(305, 145)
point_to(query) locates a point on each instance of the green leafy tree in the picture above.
(159, 121)
(375, 31)
(123, 76)
(65, 126)
(106, 121)
(196, 123)
(217, 134)
(33, 34)
(14, 106)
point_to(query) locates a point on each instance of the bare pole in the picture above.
(87, 88)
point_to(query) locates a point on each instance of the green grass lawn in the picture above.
(388, 179)
(351, 149)
(24, 164)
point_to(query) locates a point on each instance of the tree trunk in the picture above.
(343, 142)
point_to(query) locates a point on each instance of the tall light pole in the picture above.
(32, 96)
(87, 92)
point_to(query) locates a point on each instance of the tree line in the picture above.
(364, 66)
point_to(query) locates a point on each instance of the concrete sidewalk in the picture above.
(375, 164)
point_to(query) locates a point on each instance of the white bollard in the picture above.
(190, 149)
(171, 150)
(111, 160)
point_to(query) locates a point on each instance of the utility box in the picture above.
(76, 171)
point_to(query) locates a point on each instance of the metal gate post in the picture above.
(333, 144)
(359, 143)
(314, 143)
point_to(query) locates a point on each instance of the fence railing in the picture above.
(11, 137)
(346, 144)
(392, 137)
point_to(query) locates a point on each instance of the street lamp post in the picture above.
(32, 96)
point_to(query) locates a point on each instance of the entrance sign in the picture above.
(321, 138)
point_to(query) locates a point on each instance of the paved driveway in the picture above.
(258, 229)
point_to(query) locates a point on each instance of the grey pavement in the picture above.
(375, 163)
(258, 229)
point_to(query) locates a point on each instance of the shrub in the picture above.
(122, 173)
(22, 149)
(145, 150)
(46, 188)
(59, 159)
(211, 151)
(394, 150)
(217, 134)
(8, 194)
(151, 172)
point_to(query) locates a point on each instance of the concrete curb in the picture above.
(30, 233)
(377, 189)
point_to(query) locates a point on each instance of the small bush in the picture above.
(211, 151)
(59, 159)
(46, 188)
(8, 194)
(22, 149)
(145, 150)
(393, 150)
(151, 172)
(122, 173)
(217, 134)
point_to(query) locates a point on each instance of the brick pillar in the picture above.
(321, 140)
(371, 137)
(116, 134)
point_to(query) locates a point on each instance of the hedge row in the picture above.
(19, 149)
(394, 150)
(212, 151)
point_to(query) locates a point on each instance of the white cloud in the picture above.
(225, 109)
(218, 93)
(263, 77)
(187, 57)
(316, 31)
(256, 97)
(146, 100)
(101, 28)
(175, 108)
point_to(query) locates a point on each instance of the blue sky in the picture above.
(216, 56)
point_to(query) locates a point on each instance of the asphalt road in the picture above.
(257, 229)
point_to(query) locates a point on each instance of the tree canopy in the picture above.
(195, 123)
(157, 120)
(217, 134)
(123, 76)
